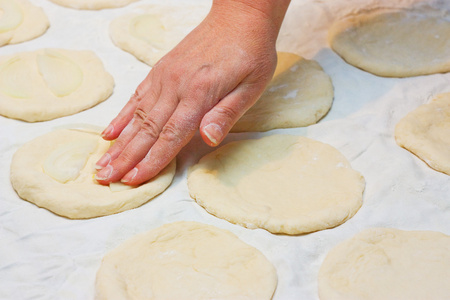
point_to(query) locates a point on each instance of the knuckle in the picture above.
(170, 134)
(140, 114)
(226, 112)
(150, 129)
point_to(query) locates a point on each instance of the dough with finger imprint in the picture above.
(46, 84)
(300, 94)
(282, 183)
(93, 4)
(425, 132)
(56, 171)
(21, 21)
(153, 32)
(185, 260)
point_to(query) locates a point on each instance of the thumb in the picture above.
(216, 123)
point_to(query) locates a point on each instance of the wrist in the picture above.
(264, 16)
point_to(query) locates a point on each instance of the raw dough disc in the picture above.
(426, 133)
(21, 21)
(300, 94)
(387, 264)
(51, 83)
(56, 171)
(282, 183)
(93, 4)
(395, 42)
(185, 260)
(155, 31)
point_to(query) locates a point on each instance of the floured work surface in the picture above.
(45, 256)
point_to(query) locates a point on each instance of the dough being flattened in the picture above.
(395, 42)
(185, 260)
(93, 4)
(387, 264)
(284, 184)
(426, 133)
(51, 83)
(300, 94)
(155, 31)
(21, 21)
(56, 171)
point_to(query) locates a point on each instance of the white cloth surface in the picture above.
(44, 256)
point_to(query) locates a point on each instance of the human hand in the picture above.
(207, 81)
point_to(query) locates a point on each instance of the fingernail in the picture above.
(103, 161)
(129, 176)
(105, 173)
(213, 132)
(108, 130)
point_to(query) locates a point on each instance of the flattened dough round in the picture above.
(300, 94)
(93, 4)
(282, 183)
(426, 133)
(155, 31)
(21, 21)
(388, 264)
(56, 171)
(51, 83)
(185, 260)
(395, 42)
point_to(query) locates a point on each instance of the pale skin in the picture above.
(207, 82)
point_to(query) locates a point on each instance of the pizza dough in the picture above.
(185, 260)
(426, 133)
(20, 21)
(155, 31)
(93, 4)
(388, 264)
(56, 171)
(300, 94)
(395, 42)
(282, 183)
(51, 83)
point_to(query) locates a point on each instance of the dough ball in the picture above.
(426, 133)
(21, 21)
(387, 264)
(395, 42)
(282, 183)
(93, 4)
(56, 171)
(300, 94)
(185, 260)
(51, 83)
(152, 33)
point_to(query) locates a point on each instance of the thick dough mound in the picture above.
(51, 83)
(426, 133)
(383, 263)
(395, 42)
(56, 171)
(300, 94)
(185, 260)
(21, 21)
(155, 31)
(93, 4)
(282, 183)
